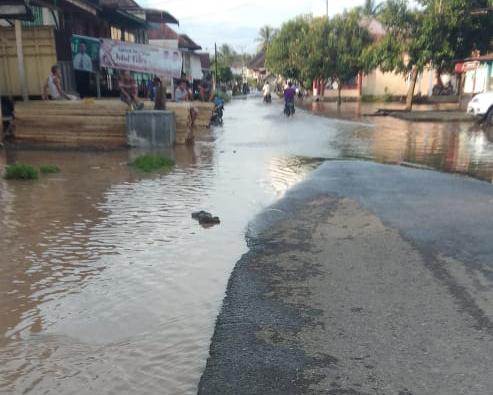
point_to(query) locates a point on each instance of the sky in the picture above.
(237, 22)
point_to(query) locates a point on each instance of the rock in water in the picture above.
(205, 218)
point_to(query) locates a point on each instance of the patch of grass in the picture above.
(369, 99)
(387, 96)
(20, 171)
(152, 162)
(49, 169)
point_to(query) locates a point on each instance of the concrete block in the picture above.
(148, 129)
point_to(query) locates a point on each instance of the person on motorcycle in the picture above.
(266, 92)
(217, 116)
(289, 95)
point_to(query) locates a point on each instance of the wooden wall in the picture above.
(92, 122)
(75, 123)
(39, 56)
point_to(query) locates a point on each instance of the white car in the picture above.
(481, 106)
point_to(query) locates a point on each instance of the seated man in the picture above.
(128, 91)
(183, 95)
(181, 92)
(53, 87)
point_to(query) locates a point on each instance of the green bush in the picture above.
(20, 171)
(49, 169)
(152, 162)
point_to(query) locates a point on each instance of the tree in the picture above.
(370, 8)
(224, 73)
(265, 36)
(285, 54)
(434, 34)
(308, 49)
(345, 45)
(228, 54)
(456, 31)
(396, 51)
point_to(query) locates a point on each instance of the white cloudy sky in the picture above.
(237, 22)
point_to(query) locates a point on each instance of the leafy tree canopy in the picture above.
(224, 73)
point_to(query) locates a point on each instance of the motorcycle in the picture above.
(268, 98)
(289, 109)
(217, 115)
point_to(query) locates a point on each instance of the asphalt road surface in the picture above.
(364, 279)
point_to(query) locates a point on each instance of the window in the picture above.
(129, 37)
(116, 33)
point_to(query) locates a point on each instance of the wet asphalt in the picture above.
(364, 279)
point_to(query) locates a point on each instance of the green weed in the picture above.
(369, 99)
(152, 162)
(49, 169)
(20, 171)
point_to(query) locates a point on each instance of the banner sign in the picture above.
(140, 58)
(85, 53)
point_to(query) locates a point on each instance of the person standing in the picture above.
(181, 92)
(159, 94)
(266, 92)
(183, 95)
(128, 91)
(205, 92)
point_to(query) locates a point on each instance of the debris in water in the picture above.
(205, 218)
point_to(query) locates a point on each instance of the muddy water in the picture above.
(108, 286)
(464, 148)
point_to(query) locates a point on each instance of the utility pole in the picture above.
(215, 62)
(20, 59)
(327, 9)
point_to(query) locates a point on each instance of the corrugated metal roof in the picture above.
(162, 32)
(186, 42)
(160, 16)
(205, 60)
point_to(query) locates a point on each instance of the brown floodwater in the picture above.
(107, 284)
(455, 147)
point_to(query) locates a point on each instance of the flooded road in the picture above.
(465, 148)
(107, 284)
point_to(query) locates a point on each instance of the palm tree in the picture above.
(227, 53)
(265, 36)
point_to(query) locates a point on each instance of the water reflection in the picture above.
(464, 148)
(108, 285)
